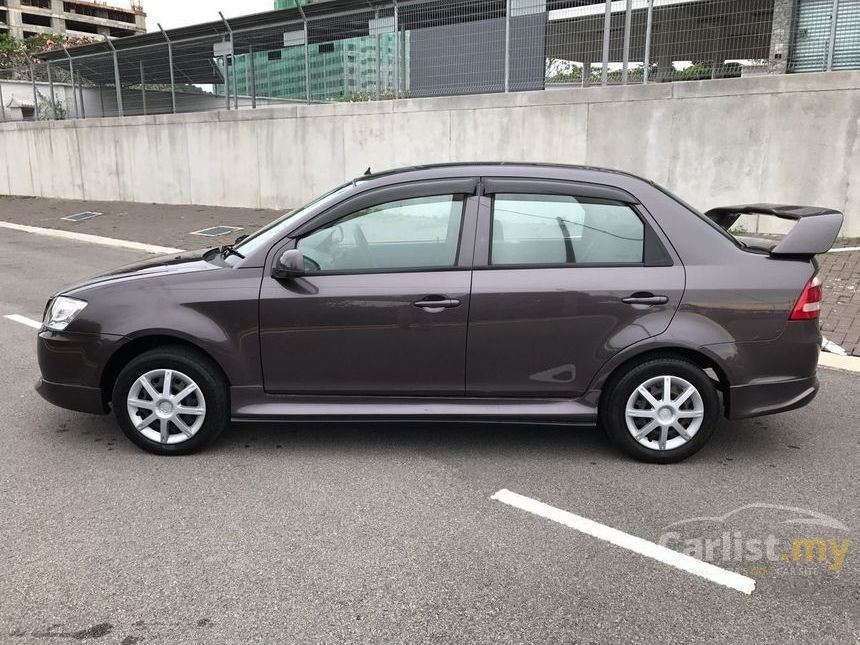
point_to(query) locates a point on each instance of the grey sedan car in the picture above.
(494, 292)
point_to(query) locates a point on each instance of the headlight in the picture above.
(62, 311)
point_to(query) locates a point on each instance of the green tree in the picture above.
(14, 52)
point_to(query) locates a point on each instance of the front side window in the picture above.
(561, 229)
(409, 234)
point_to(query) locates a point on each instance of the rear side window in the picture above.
(562, 229)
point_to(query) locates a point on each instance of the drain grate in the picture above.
(81, 217)
(215, 231)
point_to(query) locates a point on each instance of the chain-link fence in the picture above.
(364, 50)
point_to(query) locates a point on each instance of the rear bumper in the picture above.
(72, 397)
(771, 376)
(759, 399)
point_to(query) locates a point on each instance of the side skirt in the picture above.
(252, 404)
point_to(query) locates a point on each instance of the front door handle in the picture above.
(645, 299)
(435, 306)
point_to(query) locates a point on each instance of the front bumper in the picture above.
(73, 397)
(72, 364)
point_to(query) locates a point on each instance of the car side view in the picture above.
(485, 291)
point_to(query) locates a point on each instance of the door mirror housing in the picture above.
(291, 264)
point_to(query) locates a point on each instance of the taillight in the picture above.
(809, 304)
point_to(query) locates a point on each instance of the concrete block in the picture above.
(368, 141)
(809, 156)
(421, 138)
(100, 161)
(634, 136)
(280, 163)
(717, 150)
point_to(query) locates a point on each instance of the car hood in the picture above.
(157, 266)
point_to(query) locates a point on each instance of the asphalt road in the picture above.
(307, 533)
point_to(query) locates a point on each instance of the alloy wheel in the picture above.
(664, 412)
(166, 406)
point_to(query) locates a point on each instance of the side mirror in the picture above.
(291, 264)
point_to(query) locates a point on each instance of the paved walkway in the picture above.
(840, 311)
(172, 226)
(160, 224)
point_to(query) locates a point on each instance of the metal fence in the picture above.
(361, 50)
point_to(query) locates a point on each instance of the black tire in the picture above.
(201, 370)
(613, 405)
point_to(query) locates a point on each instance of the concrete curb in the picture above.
(836, 362)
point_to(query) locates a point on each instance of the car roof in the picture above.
(484, 168)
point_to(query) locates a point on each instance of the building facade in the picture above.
(22, 18)
(341, 69)
(347, 69)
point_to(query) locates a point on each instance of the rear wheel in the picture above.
(661, 411)
(171, 401)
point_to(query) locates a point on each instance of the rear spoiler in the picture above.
(815, 232)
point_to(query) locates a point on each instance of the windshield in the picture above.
(275, 229)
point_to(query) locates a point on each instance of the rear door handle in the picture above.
(435, 306)
(645, 299)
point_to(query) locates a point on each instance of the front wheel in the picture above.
(661, 411)
(171, 401)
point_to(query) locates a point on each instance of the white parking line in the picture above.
(631, 542)
(845, 249)
(92, 239)
(35, 324)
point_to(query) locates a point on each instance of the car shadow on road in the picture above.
(730, 440)
(735, 439)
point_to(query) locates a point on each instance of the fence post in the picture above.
(404, 67)
(307, 56)
(51, 90)
(170, 62)
(226, 65)
(832, 42)
(508, 46)
(396, 50)
(35, 91)
(648, 26)
(378, 60)
(116, 79)
(143, 87)
(81, 91)
(2, 106)
(253, 70)
(625, 64)
(607, 22)
(72, 74)
(226, 79)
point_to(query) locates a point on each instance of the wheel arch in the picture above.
(137, 346)
(698, 356)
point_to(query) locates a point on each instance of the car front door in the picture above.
(566, 275)
(382, 307)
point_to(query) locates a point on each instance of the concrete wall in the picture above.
(791, 138)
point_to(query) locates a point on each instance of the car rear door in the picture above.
(566, 275)
(383, 307)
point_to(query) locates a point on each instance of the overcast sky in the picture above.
(179, 13)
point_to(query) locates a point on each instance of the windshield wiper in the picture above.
(228, 249)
